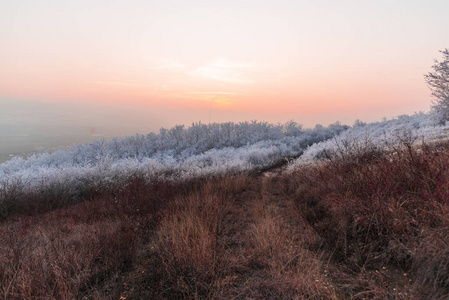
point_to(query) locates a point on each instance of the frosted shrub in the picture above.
(177, 153)
(381, 134)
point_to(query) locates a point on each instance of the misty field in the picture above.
(356, 212)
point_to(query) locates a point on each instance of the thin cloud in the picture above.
(224, 70)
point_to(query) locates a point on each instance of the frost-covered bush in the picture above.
(438, 82)
(382, 134)
(177, 153)
(197, 151)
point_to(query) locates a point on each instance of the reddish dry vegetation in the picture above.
(362, 224)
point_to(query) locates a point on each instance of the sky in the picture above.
(177, 62)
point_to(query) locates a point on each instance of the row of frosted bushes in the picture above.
(198, 151)
(383, 135)
(178, 153)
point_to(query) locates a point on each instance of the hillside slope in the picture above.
(361, 223)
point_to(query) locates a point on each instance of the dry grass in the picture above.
(231, 240)
(289, 269)
(385, 218)
(362, 224)
(82, 250)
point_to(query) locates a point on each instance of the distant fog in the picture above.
(28, 126)
(19, 117)
(38, 118)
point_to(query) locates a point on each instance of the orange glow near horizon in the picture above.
(266, 58)
(225, 85)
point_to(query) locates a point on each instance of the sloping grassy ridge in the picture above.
(363, 223)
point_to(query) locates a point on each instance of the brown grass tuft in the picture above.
(361, 224)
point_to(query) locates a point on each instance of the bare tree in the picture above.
(438, 82)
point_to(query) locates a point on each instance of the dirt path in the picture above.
(245, 240)
(274, 249)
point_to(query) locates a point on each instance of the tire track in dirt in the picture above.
(275, 249)
(236, 238)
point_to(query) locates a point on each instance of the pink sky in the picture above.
(311, 61)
